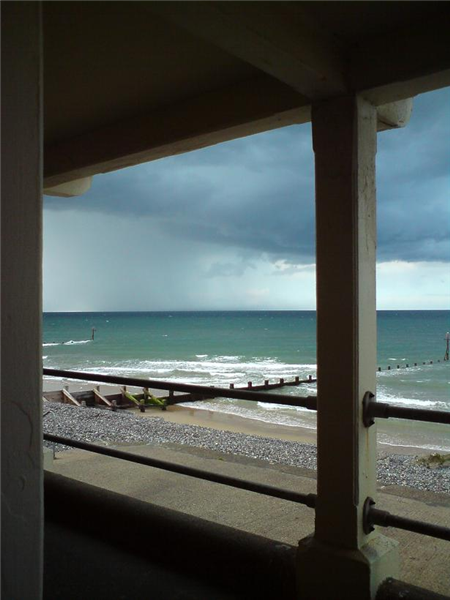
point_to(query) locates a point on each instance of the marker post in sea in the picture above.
(447, 339)
(93, 333)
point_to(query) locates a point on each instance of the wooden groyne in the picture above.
(124, 399)
(394, 367)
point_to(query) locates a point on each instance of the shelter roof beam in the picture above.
(407, 62)
(289, 45)
(256, 105)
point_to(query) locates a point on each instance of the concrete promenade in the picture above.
(425, 561)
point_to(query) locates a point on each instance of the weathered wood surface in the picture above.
(100, 397)
(95, 398)
(68, 396)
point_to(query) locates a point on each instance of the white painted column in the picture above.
(341, 557)
(22, 496)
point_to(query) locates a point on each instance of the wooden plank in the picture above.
(287, 44)
(252, 106)
(101, 398)
(180, 398)
(68, 396)
(409, 61)
(55, 396)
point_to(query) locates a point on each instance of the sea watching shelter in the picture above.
(92, 87)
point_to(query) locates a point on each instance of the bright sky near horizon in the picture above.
(232, 226)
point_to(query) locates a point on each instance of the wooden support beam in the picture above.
(346, 238)
(278, 39)
(410, 61)
(394, 115)
(22, 521)
(68, 396)
(345, 142)
(246, 108)
(70, 189)
(100, 397)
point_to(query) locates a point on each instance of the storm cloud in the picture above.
(257, 193)
(232, 226)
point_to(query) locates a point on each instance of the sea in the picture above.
(223, 347)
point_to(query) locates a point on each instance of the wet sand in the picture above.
(235, 423)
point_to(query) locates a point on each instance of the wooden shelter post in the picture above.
(21, 249)
(344, 139)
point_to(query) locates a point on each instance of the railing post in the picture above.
(344, 139)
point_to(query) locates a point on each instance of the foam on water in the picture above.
(214, 371)
(258, 412)
(430, 447)
(413, 403)
(238, 347)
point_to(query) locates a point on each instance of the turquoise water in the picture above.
(223, 347)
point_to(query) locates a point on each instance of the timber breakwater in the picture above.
(148, 398)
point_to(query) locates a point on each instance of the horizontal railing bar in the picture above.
(384, 518)
(309, 402)
(250, 486)
(382, 410)
(373, 516)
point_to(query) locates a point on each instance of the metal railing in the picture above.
(382, 410)
(371, 410)
(309, 402)
(250, 486)
(371, 515)
(374, 516)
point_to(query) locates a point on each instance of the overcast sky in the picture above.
(232, 226)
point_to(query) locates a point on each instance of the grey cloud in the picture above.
(229, 269)
(258, 193)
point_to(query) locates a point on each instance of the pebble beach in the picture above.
(104, 427)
